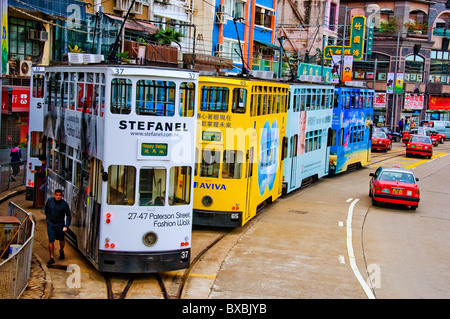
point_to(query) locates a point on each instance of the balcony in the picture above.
(152, 54)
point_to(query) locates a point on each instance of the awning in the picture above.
(135, 25)
(268, 44)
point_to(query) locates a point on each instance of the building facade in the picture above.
(410, 50)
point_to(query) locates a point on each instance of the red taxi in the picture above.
(406, 136)
(394, 185)
(380, 141)
(419, 145)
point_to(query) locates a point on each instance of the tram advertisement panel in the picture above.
(79, 130)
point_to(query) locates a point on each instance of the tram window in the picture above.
(187, 99)
(232, 164)
(68, 170)
(77, 179)
(36, 140)
(239, 100)
(121, 185)
(155, 98)
(214, 99)
(152, 186)
(38, 85)
(121, 96)
(210, 164)
(180, 185)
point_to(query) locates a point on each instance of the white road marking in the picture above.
(341, 259)
(351, 254)
(349, 200)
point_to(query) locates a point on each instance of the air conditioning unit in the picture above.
(219, 49)
(24, 67)
(220, 18)
(38, 35)
(84, 58)
(44, 36)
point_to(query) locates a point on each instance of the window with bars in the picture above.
(19, 44)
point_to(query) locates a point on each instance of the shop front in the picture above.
(438, 108)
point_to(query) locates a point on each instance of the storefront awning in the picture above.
(140, 26)
(268, 44)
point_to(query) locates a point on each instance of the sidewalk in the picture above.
(40, 283)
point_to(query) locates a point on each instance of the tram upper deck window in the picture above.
(232, 164)
(53, 96)
(209, 167)
(214, 99)
(152, 186)
(239, 100)
(156, 98)
(121, 185)
(187, 99)
(121, 96)
(38, 85)
(180, 185)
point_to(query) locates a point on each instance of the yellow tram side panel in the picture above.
(243, 194)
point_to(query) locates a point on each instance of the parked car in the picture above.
(394, 185)
(419, 145)
(394, 136)
(380, 141)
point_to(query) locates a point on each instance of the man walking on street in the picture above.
(56, 210)
(16, 158)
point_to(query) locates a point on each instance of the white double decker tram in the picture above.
(119, 142)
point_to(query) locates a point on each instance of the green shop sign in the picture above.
(356, 47)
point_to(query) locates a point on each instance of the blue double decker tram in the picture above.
(307, 134)
(351, 129)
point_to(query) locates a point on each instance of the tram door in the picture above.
(250, 154)
(293, 155)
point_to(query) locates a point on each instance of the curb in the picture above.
(48, 279)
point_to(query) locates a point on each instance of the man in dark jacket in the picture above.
(16, 158)
(56, 210)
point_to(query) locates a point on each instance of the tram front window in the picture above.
(152, 186)
(210, 164)
(232, 164)
(121, 185)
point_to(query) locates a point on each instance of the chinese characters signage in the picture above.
(414, 101)
(356, 47)
(380, 100)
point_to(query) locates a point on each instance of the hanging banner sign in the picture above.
(390, 83)
(356, 47)
(399, 83)
(335, 69)
(348, 67)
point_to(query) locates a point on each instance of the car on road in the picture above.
(419, 131)
(394, 136)
(394, 185)
(419, 145)
(439, 137)
(380, 141)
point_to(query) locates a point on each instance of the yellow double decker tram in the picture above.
(239, 154)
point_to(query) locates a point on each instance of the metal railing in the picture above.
(15, 270)
(8, 181)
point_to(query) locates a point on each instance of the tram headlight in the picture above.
(207, 200)
(150, 239)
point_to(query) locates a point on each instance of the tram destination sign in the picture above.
(153, 149)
